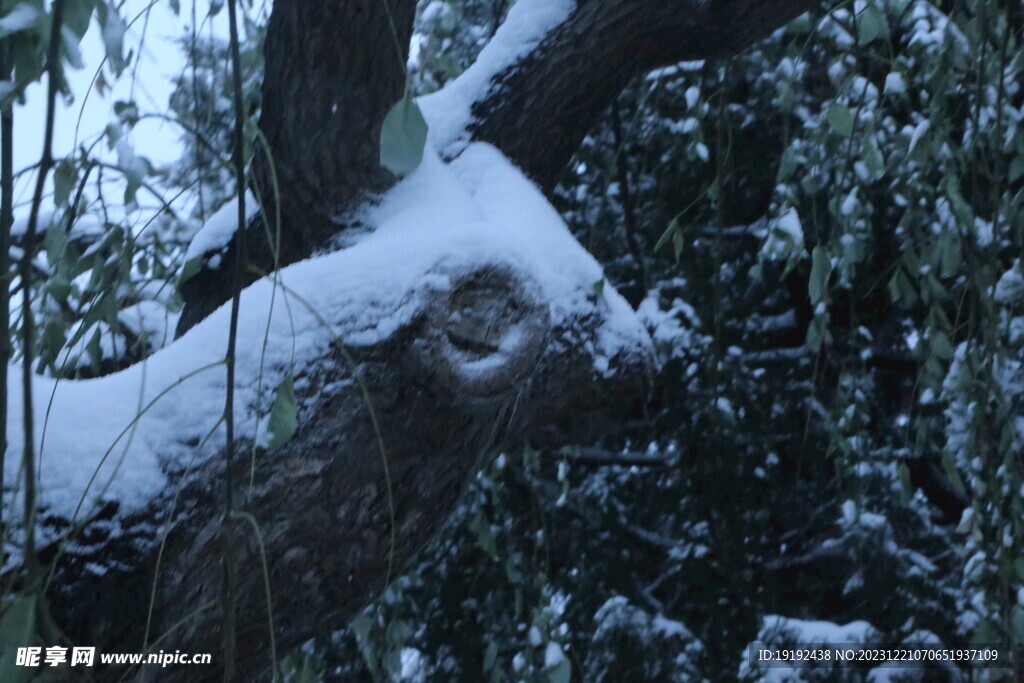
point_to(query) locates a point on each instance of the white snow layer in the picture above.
(449, 109)
(474, 211)
(218, 230)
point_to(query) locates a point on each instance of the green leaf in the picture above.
(786, 165)
(1017, 619)
(63, 181)
(961, 209)
(77, 14)
(284, 414)
(403, 137)
(873, 158)
(1018, 567)
(190, 270)
(599, 287)
(672, 229)
(484, 537)
(560, 672)
(840, 120)
(16, 630)
(362, 626)
(678, 244)
(490, 655)
(906, 488)
(872, 25)
(55, 242)
(1016, 168)
(949, 467)
(817, 334)
(94, 350)
(950, 257)
(59, 288)
(51, 342)
(939, 344)
(986, 633)
(821, 269)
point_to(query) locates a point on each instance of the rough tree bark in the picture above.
(480, 362)
(332, 71)
(476, 365)
(536, 110)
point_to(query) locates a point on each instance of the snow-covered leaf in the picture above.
(112, 28)
(23, 16)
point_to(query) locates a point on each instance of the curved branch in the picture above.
(538, 110)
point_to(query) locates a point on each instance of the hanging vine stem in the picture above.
(228, 590)
(6, 221)
(53, 71)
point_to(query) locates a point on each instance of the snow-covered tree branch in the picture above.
(550, 70)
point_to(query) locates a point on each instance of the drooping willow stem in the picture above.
(238, 159)
(53, 72)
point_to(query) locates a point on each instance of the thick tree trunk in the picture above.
(333, 70)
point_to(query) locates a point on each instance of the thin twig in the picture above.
(6, 221)
(229, 407)
(53, 70)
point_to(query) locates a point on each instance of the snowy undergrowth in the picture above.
(441, 221)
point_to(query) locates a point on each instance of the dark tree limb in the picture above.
(599, 457)
(538, 110)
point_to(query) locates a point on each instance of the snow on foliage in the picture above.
(778, 630)
(627, 639)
